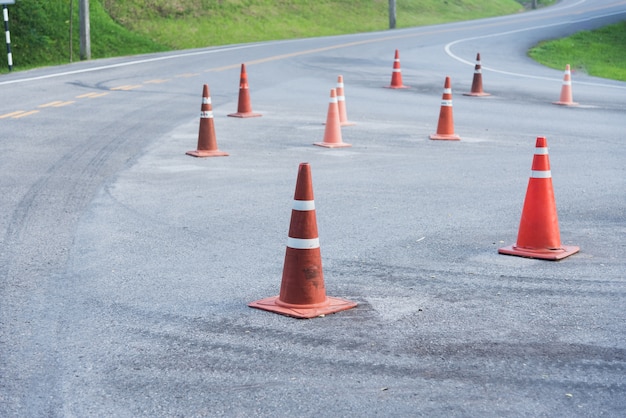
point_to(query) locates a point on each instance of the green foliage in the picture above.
(40, 29)
(598, 53)
(40, 34)
(198, 23)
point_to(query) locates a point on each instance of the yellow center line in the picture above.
(12, 114)
(91, 95)
(61, 104)
(126, 87)
(21, 115)
(55, 103)
(187, 75)
(156, 81)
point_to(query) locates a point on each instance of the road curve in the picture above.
(126, 266)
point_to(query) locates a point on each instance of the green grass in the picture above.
(40, 34)
(198, 23)
(600, 53)
(40, 29)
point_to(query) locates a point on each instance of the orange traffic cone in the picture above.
(538, 235)
(332, 133)
(244, 108)
(477, 82)
(396, 74)
(302, 290)
(341, 103)
(566, 91)
(445, 127)
(207, 143)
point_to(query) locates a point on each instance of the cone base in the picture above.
(397, 87)
(477, 94)
(448, 137)
(334, 305)
(546, 254)
(565, 103)
(332, 144)
(245, 115)
(207, 153)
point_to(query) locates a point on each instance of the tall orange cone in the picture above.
(244, 108)
(566, 98)
(207, 143)
(396, 74)
(539, 235)
(302, 290)
(477, 82)
(332, 133)
(445, 127)
(341, 103)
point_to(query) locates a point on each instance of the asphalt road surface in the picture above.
(126, 266)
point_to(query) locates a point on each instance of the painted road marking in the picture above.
(12, 114)
(126, 87)
(187, 75)
(21, 115)
(57, 103)
(92, 95)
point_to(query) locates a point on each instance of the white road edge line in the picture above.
(126, 64)
(449, 52)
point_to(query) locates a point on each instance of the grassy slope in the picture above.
(211, 22)
(40, 28)
(599, 53)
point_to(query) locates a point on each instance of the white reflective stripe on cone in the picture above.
(545, 174)
(302, 243)
(304, 205)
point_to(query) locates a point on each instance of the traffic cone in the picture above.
(445, 127)
(538, 235)
(302, 290)
(396, 74)
(244, 108)
(566, 91)
(332, 133)
(341, 103)
(207, 143)
(477, 82)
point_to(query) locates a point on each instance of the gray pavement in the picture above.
(128, 266)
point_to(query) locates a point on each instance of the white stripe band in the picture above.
(206, 100)
(447, 91)
(477, 71)
(339, 85)
(206, 115)
(446, 103)
(303, 205)
(341, 98)
(546, 174)
(567, 83)
(303, 244)
(541, 151)
(333, 99)
(396, 70)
